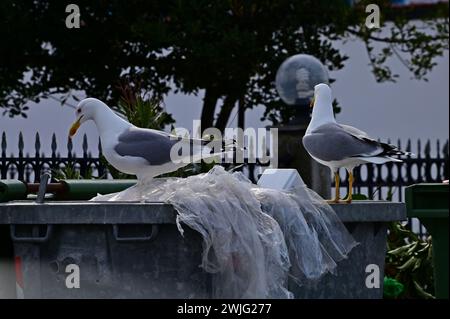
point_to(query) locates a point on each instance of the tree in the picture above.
(230, 49)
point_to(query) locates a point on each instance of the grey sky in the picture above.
(406, 109)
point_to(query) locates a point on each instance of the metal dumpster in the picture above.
(360, 276)
(120, 250)
(429, 203)
(134, 250)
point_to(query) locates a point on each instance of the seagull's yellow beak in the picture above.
(311, 104)
(75, 126)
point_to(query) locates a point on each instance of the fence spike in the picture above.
(408, 145)
(37, 144)
(419, 149)
(4, 144)
(445, 150)
(427, 149)
(54, 146)
(438, 149)
(399, 144)
(100, 153)
(21, 144)
(69, 147)
(85, 145)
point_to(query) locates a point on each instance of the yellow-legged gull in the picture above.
(336, 145)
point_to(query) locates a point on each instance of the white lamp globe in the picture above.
(297, 76)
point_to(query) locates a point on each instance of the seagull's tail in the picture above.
(390, 150)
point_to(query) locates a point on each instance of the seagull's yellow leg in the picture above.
(336, 185)
(350, 187)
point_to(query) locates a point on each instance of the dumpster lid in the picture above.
(25, 212)
(78, 212)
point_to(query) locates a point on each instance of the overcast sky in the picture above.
(406, 109)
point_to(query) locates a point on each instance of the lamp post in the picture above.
(295, 81)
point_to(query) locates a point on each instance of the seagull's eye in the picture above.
(78, 111)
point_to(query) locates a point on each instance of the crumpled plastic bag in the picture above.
(254, 239)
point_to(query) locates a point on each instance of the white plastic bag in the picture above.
(253, 238)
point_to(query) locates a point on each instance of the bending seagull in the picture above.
(145, 153)
(336, 145)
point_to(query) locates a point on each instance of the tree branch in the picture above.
(388, 40)
(225, 111)
(209, 108)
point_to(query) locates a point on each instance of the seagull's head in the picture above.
(86, 110)
(323, 92)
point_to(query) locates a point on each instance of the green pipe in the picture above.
(12, 189)
(87, 189)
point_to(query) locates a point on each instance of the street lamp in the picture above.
(295, 81)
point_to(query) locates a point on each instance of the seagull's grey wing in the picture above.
(354, 131)
(331, 142)
(388, 149)
(152, 145)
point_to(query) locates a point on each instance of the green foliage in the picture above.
(392, 289)
(414, 38)
(70, 172)
(409, 262)
(231, 49)
(141, 109)
(358, 197)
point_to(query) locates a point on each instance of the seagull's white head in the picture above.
(322, 93)
(322, 107)
(86, 110)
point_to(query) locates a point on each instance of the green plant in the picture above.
(141, 108)
(70, 172)
(409, 262)
(392, 289)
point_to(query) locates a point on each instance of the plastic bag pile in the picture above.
(254, 239)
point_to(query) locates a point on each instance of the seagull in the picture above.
(336, 145)
(145, 153)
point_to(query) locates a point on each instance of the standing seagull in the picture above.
(336, 145)
(145, 153)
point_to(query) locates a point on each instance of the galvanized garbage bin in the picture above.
(429, 203)
(121, 250)
(134, 250)
(361, 275)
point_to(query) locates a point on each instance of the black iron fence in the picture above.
(429, 164)
(29, 168)
(387, 181)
